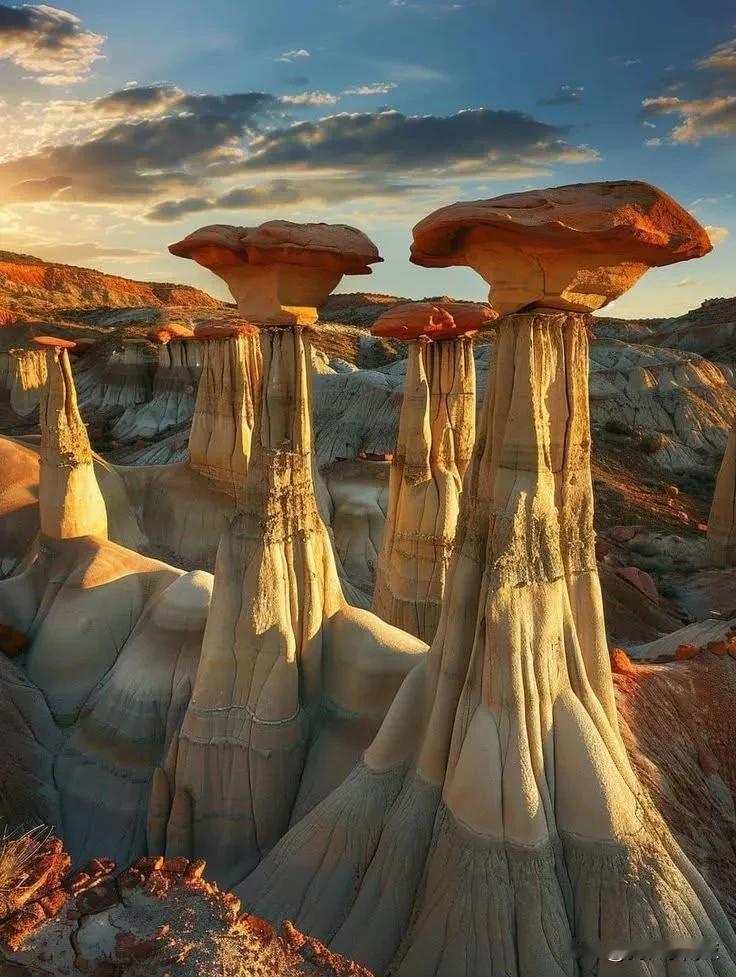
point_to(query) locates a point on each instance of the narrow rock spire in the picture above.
(722, 518)
(435, 441)
(71, 503)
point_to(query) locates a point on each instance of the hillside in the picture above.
(30, 287)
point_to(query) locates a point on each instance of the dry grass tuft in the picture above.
(17, 852)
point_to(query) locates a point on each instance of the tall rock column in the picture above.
(292, 682)
(435, 441)
(70, 500)
(722, 518)
(224, 412)
(495, 825)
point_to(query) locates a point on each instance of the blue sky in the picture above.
(369, 112)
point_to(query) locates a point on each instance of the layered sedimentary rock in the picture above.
(436, 436)
(495, 824)
(573, 247)
(178, 366)
(722, 519)
(185, 507)
(279, 272)
(224, 414)
(22, 379)
(292, 682)
(70, 500)
(95, 696)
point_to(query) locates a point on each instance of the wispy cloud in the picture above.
(289, 56)
(310, 98)
(376, 88)
(565, 95)
(716, 234)
(709, 113)
(48, 42)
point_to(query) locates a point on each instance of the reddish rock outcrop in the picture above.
(160, 916)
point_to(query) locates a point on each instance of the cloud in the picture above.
(716, 234)
(48, 42)
(722, 59)
(284, 193)
(138, 159)
(84, 251)
(134, 100)
(565, 95)
(685, 282)
(653, 142)
(491, 141)
(310, 98)
(377, 88)
(289, 56)
(649, 125)
(710, 110)
(701, 118)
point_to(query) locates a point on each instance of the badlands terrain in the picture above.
(147, 494)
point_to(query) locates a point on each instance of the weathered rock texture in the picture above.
(224, 413)
(496, 816)
(70, 500)
(292, 682)
(435, 441)
(157, 918)
(280, 272)
(572, 247)
(495, 824)
(178, 366)
(722, 519)
(22, 379)
(676, 721)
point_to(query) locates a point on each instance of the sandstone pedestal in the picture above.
(436, 435)
(495, 824)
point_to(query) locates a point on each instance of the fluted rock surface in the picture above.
(22, 379)
(178, 366)
(436, 435)
(722, 519)
(496, 818)
(70, 500)
(292, 682)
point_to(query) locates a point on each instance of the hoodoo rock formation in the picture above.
(185, 507)
(280, 272)
(113, 639)
(722, 519)
(495, 825)
(576, 247)
(435, 441)
(70, 500)
(293, 682)
(224, 414)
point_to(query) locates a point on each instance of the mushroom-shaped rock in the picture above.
(433, 320)
(169, 331)
(495, 824)
(722, 518)
(435, 441)
(280, 272)
(575, 247)
(292, 682)
(70, 500)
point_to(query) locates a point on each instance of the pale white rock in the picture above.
(293, 682)
(722, 518)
